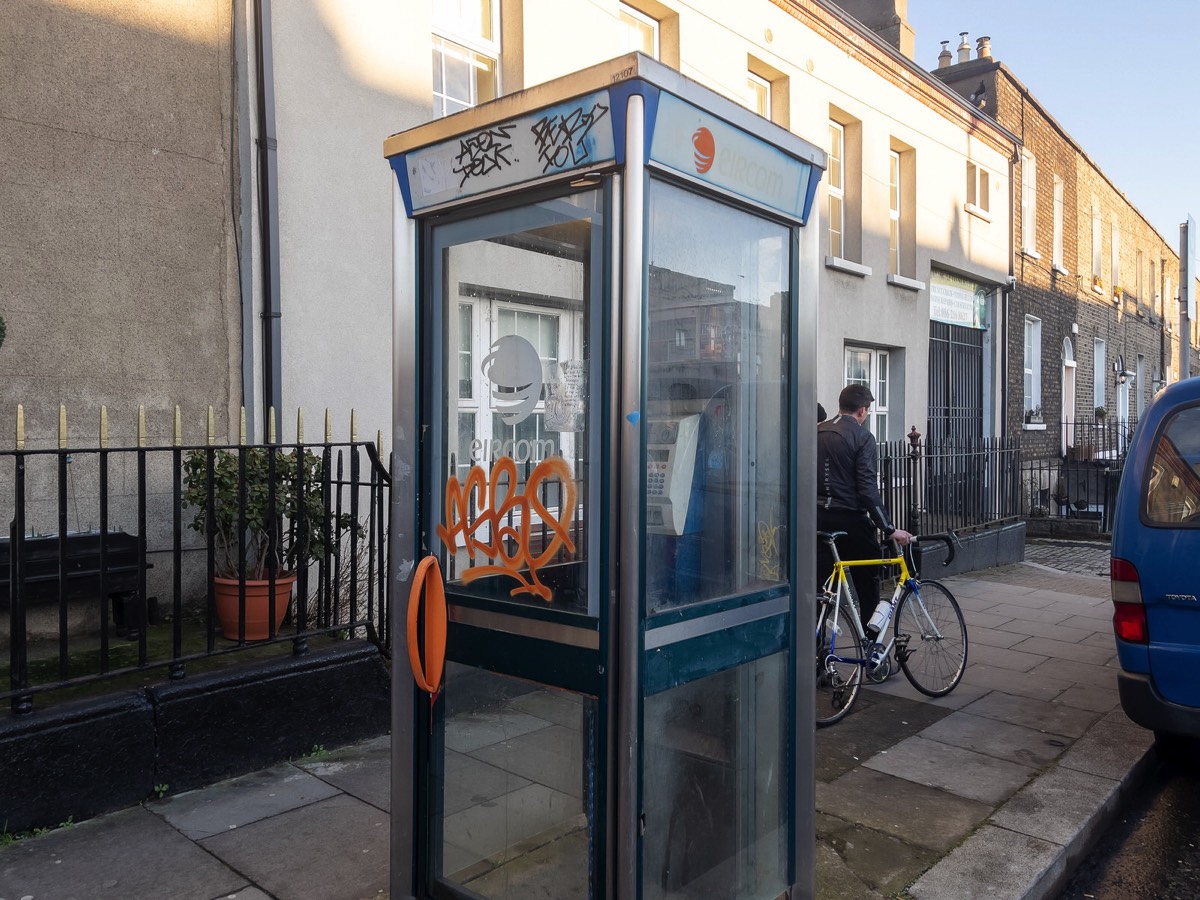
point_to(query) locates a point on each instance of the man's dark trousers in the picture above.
(861, 541)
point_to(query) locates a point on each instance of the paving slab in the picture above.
(1091, 697)
(363, 771)
(921, 815)
(1052, 716)
(880, 862)
(1024, 684)
(335, 849)
(1059, 805)
(993, 864)
(878, 721)
(1003, 740)
(1112, 748)
(131, 855)
(239, 801)
(965, 773)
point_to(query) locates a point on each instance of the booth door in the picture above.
(717, 595)
(512, 770)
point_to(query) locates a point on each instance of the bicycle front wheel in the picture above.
(837, 681)
(931, 638)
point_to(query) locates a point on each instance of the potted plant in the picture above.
(1033, 415)
(266, 512)
(1101, 413)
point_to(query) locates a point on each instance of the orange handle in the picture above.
(428, 675)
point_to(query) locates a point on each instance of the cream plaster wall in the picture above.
(334, 111)
(346, 76)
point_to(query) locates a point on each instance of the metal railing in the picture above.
(1082, 483)
(930, 487)
(940, 485)
(110, 563)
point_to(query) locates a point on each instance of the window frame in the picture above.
(1032, 385)
(1029, 205)
(468, 46)
(978, 190)
(1056, 249)
(836, 190)
(895, 211)
(760, 94)
(879, 382)
(1099, 373)
(1115, 254)
(633, 19)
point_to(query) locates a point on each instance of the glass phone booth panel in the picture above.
(514, 803)
(717, 489)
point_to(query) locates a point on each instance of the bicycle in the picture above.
(929, 636)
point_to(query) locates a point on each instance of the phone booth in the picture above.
(603, 496)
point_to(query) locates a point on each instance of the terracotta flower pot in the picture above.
(258, 609)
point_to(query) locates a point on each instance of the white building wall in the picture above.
(347, 75)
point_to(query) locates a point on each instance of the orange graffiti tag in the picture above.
(508, 544)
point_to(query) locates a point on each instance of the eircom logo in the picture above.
(705, 147)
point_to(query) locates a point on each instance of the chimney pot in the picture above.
(964, 49)
(945, 56)
(984, 46)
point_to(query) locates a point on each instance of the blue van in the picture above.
(1155, 568)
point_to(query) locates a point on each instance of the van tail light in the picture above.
(1129, 623)
(1129, 615)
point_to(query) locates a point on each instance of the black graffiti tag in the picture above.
(484, 152)
(559, 138)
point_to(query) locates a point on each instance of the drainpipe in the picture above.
(268, 212)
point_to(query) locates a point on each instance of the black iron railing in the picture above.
(1080, 483)
(107, 568)
(951, 484)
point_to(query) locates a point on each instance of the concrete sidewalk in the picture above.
(993, 791)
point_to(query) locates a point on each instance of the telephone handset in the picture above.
(670, 469)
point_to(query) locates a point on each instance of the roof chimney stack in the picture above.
(984, 47)
(945, 56)
(964, 49)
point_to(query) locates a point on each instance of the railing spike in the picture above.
(270, 424)
(353, 425)
(299, 425)
(103, 427)
(62, 427)
(328, 427)
(20, 426)
(178, 426)
(379, 443)
(209, 438)
(242, 428)
(141, 435)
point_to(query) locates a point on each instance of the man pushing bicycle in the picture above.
(848, 494)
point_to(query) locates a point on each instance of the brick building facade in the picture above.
(1092, 318)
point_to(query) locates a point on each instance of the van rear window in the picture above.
(1172, 494)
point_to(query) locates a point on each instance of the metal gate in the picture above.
(955, 383)
(955, 482)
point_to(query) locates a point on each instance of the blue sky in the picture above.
(1117, 76)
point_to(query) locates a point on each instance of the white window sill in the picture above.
(1059, 270)
(1034, 426)
(844, 265)
(1096, 289)
(909, 284)
(1031, 253)
(978, 212)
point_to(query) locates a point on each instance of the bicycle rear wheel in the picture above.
(837, 682)
(931, 639)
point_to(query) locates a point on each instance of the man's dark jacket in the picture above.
(848, 469)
